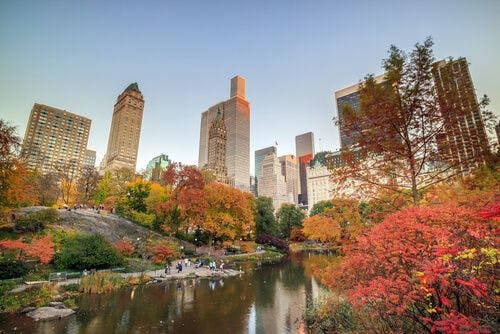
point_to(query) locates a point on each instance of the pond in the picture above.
(268, 298)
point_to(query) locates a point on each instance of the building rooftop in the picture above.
(133, 86)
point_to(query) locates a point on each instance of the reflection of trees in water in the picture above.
(193, 308)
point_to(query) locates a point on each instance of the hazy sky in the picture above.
(80, 55)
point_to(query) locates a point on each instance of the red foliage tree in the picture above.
(161, 253)
(186, 206)
(425, 269)
(41, 249)
(125, 247)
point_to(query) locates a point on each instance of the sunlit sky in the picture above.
(79, 56)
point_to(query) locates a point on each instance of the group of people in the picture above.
(212, 265)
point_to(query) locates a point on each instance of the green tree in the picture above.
(289, 216)
(136, 194)
(103, 188)
(265, 223)
(320, 207)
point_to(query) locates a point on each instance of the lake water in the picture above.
(268, 298)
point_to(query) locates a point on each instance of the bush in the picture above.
(101, 282)
(279, 244)
(246, 248)
(36, 221)
(87, 252)
(125, 247)
(296, 234)
(145, 219)
(11, 268)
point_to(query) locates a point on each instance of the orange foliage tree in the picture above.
(161, 253)
(125, 247)
(229, 214)
(322, 228)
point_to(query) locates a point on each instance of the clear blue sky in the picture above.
(79, 55)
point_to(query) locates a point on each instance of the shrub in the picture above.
(70, 303)
(297, 235)
(87, 252)
(11, 268)
(101, 282)
(125, 247)
(162, 252)
(36, 221)
(145, 219)
(246, 248)
(279, 244)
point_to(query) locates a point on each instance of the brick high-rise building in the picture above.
(89, 158)
(290, 172)
(464, 143)
(55, 139)
(237, 122)
(304, 146)
(125, 131)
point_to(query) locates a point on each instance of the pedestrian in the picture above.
(222, 265)
(167, 268)
(179, 267)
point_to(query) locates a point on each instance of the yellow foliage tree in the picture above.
(322, 228)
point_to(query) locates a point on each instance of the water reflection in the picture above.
(267, 299)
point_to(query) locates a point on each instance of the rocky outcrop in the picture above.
(49, 312)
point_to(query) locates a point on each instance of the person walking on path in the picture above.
(179, 267)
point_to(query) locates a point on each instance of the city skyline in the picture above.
(291, 73)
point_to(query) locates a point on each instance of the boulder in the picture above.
(46, 313)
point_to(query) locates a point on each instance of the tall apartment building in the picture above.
(55, 139)
(237, 122)
(464, 143)
(89, 158)
(319, 184)
(304, 147)
(156, 167)
(272, 183)
(290, 172)
(349, 96)
(125, 131)
(259, 157)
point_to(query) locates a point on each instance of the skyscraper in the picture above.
(156, 167)
(464, 143)
(237, 122)
(272, 183)
(349, 96)
(125, 131)
(304, 146)
(259, 157)
(217, 139)
(55, 139)
(290, 172)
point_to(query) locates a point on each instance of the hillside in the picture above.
(112, 227)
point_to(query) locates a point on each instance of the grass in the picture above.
(101, 282)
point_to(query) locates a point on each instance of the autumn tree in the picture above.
(394, 130)
(265, 222)
(9, 147)
(47, 189)
(185, 207)
(289, 216)
(157, 194)
(87, 184)
(68, 177)
(425, 270)
(322, 228)
(136, 194)
(229, 213)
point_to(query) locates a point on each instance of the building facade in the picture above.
(237, 122)
(156, 167)
(55, 140)
(319, 184)
(304, 147)
(125, 132)
(89, 158)
(259, 157)
(272, 183)
(464, 143)
(290, 172)
(349, 96)
(217, 139)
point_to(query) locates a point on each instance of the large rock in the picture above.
(47, 313)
